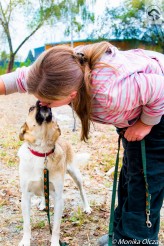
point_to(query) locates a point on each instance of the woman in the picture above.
(123, 88)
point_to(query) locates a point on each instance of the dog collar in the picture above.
(41, 154)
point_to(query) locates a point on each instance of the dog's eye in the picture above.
(31, 109)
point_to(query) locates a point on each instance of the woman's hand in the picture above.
(137, 132)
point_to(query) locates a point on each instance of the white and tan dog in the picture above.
(41, 134)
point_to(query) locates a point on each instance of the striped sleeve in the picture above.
(16, 81)
(151, 91)
(140, 90)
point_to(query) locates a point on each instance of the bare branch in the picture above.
(2, 13)
(31, 34)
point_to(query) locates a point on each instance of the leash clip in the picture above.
(148, 222)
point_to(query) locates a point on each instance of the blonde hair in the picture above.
(60, 70)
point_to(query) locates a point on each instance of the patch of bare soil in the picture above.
(77, 229)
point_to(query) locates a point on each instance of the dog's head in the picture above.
(39, 124)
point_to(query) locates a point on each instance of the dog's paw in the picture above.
(24, 242)
(88, 210)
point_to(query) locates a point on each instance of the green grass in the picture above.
(3, 70)
(9, 145)
(39, 225)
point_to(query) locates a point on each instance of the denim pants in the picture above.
(130, 217)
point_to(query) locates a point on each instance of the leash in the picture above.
(46, 187)
(47, 193)
(148, 196)
(114, 194)
(47, 200)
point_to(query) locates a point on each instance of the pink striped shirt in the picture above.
(16, 81)
(133, 90)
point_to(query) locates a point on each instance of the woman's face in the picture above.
(57, 103)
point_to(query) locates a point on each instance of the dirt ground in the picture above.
(77, 229)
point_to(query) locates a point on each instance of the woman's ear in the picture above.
(73, 94)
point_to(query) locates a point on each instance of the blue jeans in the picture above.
(130, 217)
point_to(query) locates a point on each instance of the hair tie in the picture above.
(82, 58)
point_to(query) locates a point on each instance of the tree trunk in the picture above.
(162, 49)
(10, 64)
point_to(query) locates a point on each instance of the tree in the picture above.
(38, 15)
(4, 56)
(78, 16)
(35, 15)
(131, 20)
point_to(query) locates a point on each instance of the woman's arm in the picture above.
(14, 81)
(137, 131)
(2, 87)
(149, 94)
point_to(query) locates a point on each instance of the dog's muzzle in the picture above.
(44, 114)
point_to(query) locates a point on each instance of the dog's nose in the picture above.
(45, 112)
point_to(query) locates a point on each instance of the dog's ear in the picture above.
(25, 134)
(23, 130)
(57, 131)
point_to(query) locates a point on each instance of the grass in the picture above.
(78, 218)
(3, 70)
(76, 225)
(19, 227)
(3, 203)
(9, 145)
(108, 162)
(38, 225)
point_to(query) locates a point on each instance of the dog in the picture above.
(41, 135)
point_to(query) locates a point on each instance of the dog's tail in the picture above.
(81, 159)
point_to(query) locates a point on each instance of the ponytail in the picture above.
(89, 59)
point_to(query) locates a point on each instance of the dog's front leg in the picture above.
(25, 204)
(58, 208)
